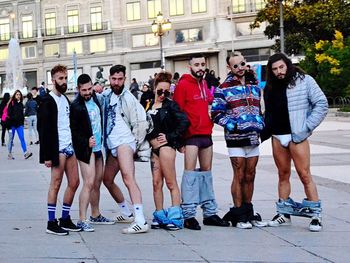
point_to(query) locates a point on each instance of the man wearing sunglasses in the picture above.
(193, 97)
(236, 107)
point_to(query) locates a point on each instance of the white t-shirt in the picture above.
(120, 133)
(63, 124)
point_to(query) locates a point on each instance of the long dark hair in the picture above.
(293, 72)
(5, 99)
(14, 96)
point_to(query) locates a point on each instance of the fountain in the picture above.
(14, 74)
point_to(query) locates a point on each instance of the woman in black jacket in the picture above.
(16, 122)
(170, 124)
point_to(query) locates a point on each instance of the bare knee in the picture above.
(157, 185)
(108, 182)
(305, 177)
(249, 177)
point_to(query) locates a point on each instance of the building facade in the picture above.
(87, 34)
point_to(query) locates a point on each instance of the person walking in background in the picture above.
(16, 122)
(193, 97)
(4, 117)
(31, 109)
(295, 106)
(42, 89)
(134, 88)
(170, 124)
(147, 95)
(57, 153)
(236, 107)
(86, 125)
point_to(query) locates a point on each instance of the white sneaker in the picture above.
(280, 220)
(136, 228)
(124, 218)
(257, 221)
(315, 224)
(244, 225)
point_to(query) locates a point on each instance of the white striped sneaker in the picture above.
(136, 228)
(124, 218)
(280, 220)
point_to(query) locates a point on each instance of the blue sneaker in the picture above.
(85, 226)
(101, 220)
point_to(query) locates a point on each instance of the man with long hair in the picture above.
(295, 106)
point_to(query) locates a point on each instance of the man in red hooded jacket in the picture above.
(193, 97)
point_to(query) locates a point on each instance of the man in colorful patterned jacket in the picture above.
(236, 107)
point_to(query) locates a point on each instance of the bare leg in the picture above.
(158, 180)
(249, 177)
(95, 193)
(238, 165)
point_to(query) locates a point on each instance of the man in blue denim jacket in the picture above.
(295, 106)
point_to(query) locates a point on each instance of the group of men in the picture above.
(77, 133)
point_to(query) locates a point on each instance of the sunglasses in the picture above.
(166, 93)
(242, 64)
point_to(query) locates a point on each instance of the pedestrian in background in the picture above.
(31, 109)
(3, 118)
(16, 122)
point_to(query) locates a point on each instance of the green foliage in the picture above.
(305, 22)
(328, 61)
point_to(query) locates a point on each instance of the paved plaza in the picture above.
(23, 216)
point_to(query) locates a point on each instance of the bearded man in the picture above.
(193, 97)
(56, 151)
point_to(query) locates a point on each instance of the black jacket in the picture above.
(16, 114)
(81, 128)
(174, 122)
(48, 130)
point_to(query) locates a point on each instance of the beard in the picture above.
(117, 89)
(61, 88)
(199, 74)
(87, 97)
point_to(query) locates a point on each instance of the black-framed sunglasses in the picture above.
(166, 93)
(242, 64)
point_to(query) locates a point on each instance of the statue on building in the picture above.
(99, 76)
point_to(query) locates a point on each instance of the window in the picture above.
(27, 26)
(256, 54)
(199, 6)
(145, 40)
(259, 4)
(243, 29)
(188, 35)
(133, 11)
(52, 50)
(98, 45)
(238, 6)
(4, 53)
(50, 24)
(154, 7)
(74, 45)
(28, 52)
(4, 29)
(176, 7)
(96, 18)
(73, 21)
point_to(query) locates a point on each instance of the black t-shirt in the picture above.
(279, 111)
(157, 126)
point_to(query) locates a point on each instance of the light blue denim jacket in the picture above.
(307, 107)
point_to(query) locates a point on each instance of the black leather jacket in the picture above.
(174, 123)
(81, 128)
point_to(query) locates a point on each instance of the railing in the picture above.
(97, 27)
(338, 102)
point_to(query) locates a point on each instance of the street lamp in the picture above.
(281, 27)
(159, 27)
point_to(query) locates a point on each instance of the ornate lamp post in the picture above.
(159, 27)
(281, 27)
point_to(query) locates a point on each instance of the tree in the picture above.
(328, 61)
(305, 22)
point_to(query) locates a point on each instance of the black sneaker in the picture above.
(68, 225)
(55, 229)
(192, 223)
(215, 220)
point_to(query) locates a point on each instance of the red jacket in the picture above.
(194, 97)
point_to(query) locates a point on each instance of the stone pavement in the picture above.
(23, 191)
